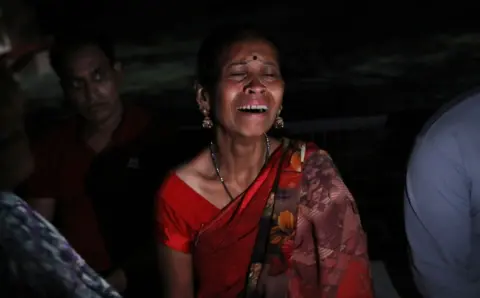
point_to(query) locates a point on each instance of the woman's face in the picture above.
(250, 88)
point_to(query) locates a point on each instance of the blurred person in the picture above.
(442, 202)
(251, 215)
(35, 259)
(19, 25)
(20, 32)
(96, 173)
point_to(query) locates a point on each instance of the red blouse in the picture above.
(181, 212)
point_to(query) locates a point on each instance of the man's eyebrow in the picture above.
(98, 69)
(78, 78)
(69, 78)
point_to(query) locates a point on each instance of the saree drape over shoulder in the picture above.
(294, 233)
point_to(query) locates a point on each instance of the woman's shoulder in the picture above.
(172, 188)
(192, 171)
(311, 156)
(180, 183)
(308, 149)
(316, 162)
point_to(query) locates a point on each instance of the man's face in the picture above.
(90, 82)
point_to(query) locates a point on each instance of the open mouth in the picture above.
(254, 109)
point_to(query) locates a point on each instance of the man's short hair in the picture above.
(66, 44)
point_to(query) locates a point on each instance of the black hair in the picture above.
(66, 44)
(208, 66)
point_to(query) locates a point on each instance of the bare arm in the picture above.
(44, 206)
(177, 273)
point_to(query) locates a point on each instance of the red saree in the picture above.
(315, 246)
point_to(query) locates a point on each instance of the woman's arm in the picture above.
(174, 244)
(176, 271)
(340, 253)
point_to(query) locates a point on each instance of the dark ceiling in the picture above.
(346, 57)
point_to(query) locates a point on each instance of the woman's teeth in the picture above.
(253, 108)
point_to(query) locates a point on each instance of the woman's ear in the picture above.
(202, 98)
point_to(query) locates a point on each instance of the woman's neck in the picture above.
(240, 159)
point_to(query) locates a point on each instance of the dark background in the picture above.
(396, 61)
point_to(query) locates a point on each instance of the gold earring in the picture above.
(207, 122)
(279, 120)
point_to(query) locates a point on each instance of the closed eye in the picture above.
(238, 76)
(271, 76)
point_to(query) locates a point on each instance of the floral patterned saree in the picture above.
(294, 233)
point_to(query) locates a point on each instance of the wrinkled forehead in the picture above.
(250, 50)
(85, 60)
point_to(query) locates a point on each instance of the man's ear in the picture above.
(118, 68)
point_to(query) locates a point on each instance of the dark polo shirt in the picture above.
(104, 202)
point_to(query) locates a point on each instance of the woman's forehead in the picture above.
(249, 50)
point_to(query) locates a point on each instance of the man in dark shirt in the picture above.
(35, 260)
(96, 174)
